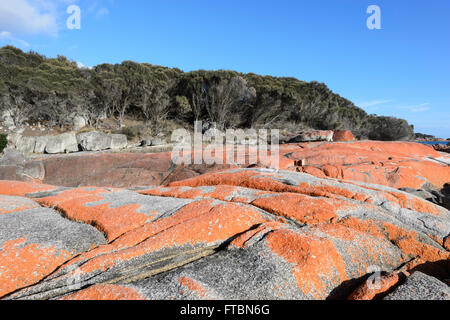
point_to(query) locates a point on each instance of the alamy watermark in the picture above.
(74, 20)
(374, 20)
(234, 146)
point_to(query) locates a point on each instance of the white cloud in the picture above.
(10, 39)
(417, 108)
(373, 103)
(102, 12)
(28, 17)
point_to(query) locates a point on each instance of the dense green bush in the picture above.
(3, 142)
(52, 90)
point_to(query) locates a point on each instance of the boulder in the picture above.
(79, 122)
(343, 135)
(314, 135)
(94, 141)
(26, 144)
(41, 143)
(12, 156)
(7, 119)
(245, 234)
(118, 141)
(153, 142)
(63, 143)
(420, 286)
(442, 147)
(13, 139)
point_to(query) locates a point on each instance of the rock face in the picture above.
(63, 143)
(442, 147)
(94, 141)
(118, 141)
(343, 135)
(233, 234)
(152, 142)
(420, 286)
(393, 164)
(67, 142)
(313, 135)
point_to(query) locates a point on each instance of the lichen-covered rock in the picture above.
(234, 234)
(343, 135)
(394, 164)
(34, 241)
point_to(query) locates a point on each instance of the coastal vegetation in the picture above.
(52, 91)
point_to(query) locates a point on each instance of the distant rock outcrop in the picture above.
(343, 135)
(68, 142)
(442, 147)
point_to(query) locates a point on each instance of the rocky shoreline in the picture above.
(134, 226)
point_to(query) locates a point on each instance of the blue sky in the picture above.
(401, 70)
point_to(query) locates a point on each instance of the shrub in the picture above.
(132, 132)
(3, 142)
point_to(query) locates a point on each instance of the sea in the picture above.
(433, 142)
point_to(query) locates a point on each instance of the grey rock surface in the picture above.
(420, 286)
(63, 143)
(118, 141)
(94, 141)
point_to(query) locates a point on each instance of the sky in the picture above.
(401, 69)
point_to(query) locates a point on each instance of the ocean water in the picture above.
(433, 142)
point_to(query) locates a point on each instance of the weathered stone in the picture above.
(11, 156)
(234, 234)
(41, 143)
(420, 286)
(118, 141)
(313, 135)
(13, 139)
(34, 241)
(343, 135)
(62, 143)
(26, 144)
(7, 119)
(94, 141)
(79, 122)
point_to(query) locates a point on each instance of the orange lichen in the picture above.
(12, 204)
(395, 164)
(343, 135)
(18, 188)
(22, 265)
(312, 259)
(446, 243)
(193, 286)
(241, 240)
(209, 224)
(105, 292)
(112, 221)
(302, 208)
(407, 241)
(373, 287)
(261, 181)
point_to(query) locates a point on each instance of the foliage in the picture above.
(3, 141)
(54, 90)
